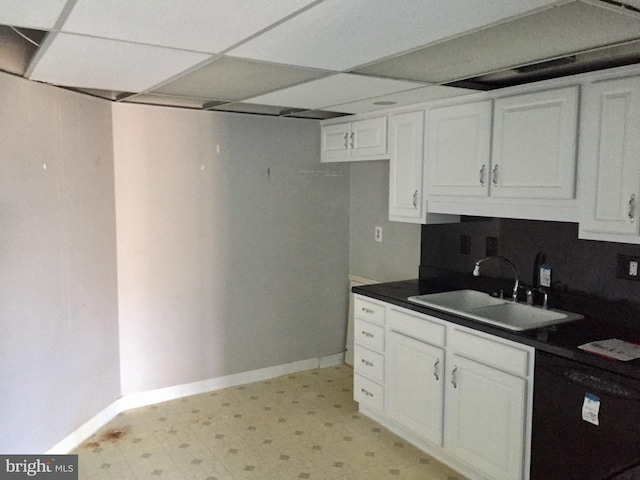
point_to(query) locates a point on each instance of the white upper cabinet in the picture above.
(459, 149)
(610, 161)
(511, 156)
(528, 152)
(357, 140)
(405, 166)
(534, 145)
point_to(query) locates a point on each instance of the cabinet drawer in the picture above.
(366, 310)
(503, 355)
(368, 393)
(420, 327)
(368, 363)
(369, 335)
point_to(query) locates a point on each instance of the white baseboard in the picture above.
(143, 399)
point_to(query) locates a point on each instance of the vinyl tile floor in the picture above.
(298, 426)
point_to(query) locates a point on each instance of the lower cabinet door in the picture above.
(485, 423)
(415, 386)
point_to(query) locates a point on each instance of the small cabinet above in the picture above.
(351, 141)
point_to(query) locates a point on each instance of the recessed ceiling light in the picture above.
(385, 103)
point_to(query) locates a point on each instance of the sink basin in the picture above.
(496, 311)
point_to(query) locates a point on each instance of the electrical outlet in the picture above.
(465, 244)
(378, 234)
(627, 267)
(491, 247)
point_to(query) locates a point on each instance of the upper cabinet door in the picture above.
(335, 141)
(610, 158)
(368, 137)
(406, 134)
(534, 145)
(458, 149)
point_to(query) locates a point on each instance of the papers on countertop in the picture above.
(613, 348)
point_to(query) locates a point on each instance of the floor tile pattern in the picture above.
(299, 426)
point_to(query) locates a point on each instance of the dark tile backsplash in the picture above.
(583, 267)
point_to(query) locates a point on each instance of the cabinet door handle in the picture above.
(346, 140)
(415, 199)
(435, 369)
(366, 363)
(367, 334)
(495, 175)
(367, 310)
(368, 394)
(453, 377)
(632, 207)
(482, 174)
(352, 140)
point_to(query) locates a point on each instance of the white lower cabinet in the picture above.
(369, 359)
(416, 386)
(485, 423)
(463, 396)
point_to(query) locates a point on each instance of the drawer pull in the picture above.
(435, 369)
(367, 334)
(453, 377)
(368, 394)
(367, 363)
(368, 310)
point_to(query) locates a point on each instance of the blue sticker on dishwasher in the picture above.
(590, 408)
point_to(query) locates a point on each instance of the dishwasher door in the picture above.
(566, 443)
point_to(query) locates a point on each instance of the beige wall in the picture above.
(59, 361)
(228, 261)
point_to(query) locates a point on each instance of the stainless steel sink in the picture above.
(496, 311)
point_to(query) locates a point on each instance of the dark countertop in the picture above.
(603, 320)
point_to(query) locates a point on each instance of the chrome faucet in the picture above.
(516, 285)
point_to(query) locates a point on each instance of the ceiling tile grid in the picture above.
(287, 57)
(209, 26)
(80, 61)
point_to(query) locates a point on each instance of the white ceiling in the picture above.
(311, 55)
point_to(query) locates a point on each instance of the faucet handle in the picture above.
(529, 296)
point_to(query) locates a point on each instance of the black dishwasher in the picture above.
(586, 422)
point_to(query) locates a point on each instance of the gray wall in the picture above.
(397, 257)
(229, 261)
(58, 296)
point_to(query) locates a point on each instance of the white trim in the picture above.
(142, 399)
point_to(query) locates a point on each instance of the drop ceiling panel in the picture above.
(411, 97)
(39, 14)
(236, 79)
(202, 25)
(551, 33)
(333, 90)
(79, 61)
(339, 35)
